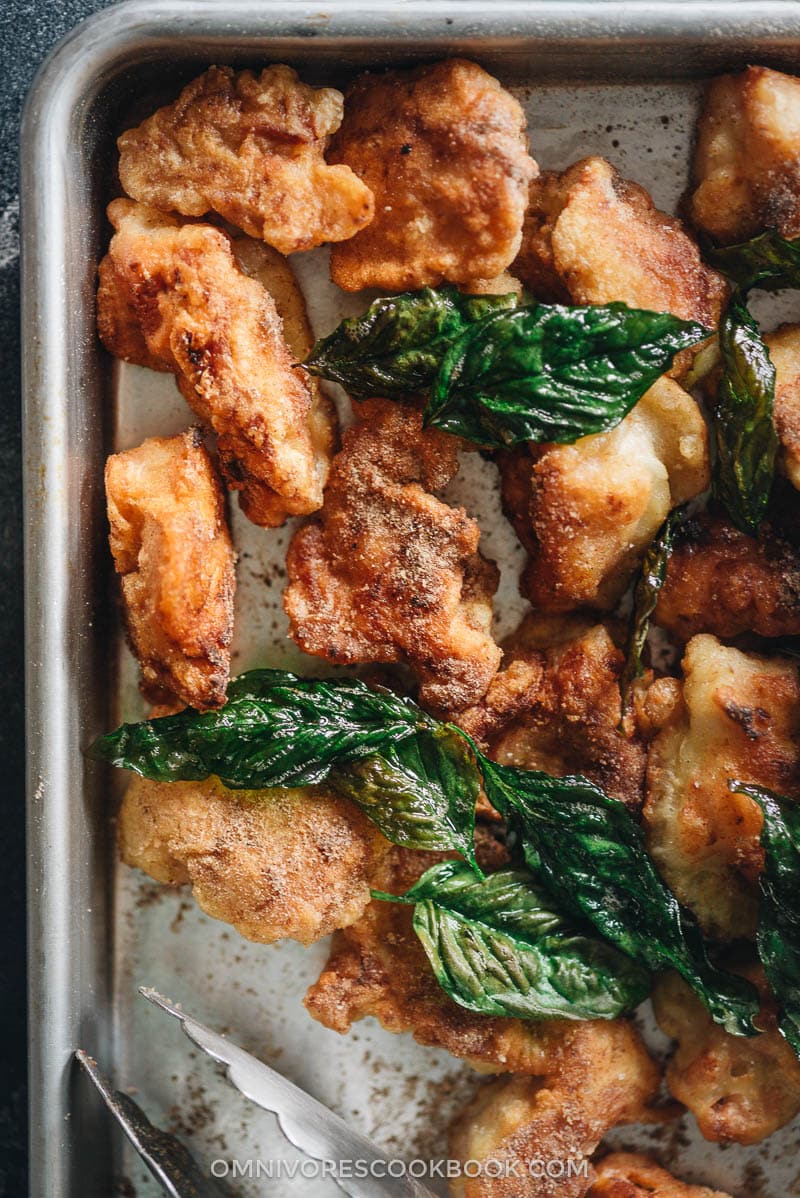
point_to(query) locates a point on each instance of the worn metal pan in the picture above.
(596, 75)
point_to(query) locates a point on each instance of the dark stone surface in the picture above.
(28, 29)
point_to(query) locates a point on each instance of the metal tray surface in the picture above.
(620, 79)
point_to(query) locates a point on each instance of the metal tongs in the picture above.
(306, 1123)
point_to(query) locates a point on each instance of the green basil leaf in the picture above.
(778, 936)
(594, 861)
(501, 947)
(411, 775)
(768, 261)
(395, 348)
(742, 418)
(645, 597)
(552, 373)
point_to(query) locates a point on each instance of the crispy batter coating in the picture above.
(172, 549)
(586, 512)
(202, 317)
(275, 864)
(592, 237)
(784, 350)
(740, 1089)
(378, 967)
(630, 1175)
(595, 1079)
(252, 149)
(746, 164)
(443, 148)
(740, 719)
(388, 572)
(556, 706)
(720, 580)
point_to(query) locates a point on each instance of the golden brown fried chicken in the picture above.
(746, 164)
(740, 719)
(531, 1137)
(556, 707)
(592, 237)
(252, 149)
(587, 512)
(390, 573)
(740, 1089)
(275, 864)
(378, 967)
(443, 149)
(784, 350)
(218, 330)
(172, 548)
(720, 580)
(630, 1175)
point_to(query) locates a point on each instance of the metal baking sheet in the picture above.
(611, 78)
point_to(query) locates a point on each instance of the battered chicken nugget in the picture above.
(592, 237)
(740, 1089)
(200, 316)
(740, 719)
(784, 350)
(722, 581)
(531, 1136)
(252, 149)
(630, 1175)
(171, 546)
(443, 148)
(746, 163)
(275, 863)
(586, 512)
(556, 707)
(388, 572)
(378, 967)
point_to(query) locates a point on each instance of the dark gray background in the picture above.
(28, 29)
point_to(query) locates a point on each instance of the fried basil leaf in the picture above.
(502, 947)
(645, 597)
(742, 418)
(778, 936)
(411, 775)
(552, 373)
(594, 862)
(396, 347)
(768, 261)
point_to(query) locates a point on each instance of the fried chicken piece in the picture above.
(275, 864)
(388, 572)
(515, 1127)
(784, 350)
(740, 1089)
(586, 512)
(630, 1175)
(252, 149)
(592, 237)
(720, 580)
(740, 720)
(218, 330)
(443, 148)
(173, 552)
(746, 163)
(556, 707)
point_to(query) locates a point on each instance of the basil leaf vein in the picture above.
(394, 348)
(553, 373)
(594, 862)
(742, 418)
(778, 935)
(411, 775)
(501, 947)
